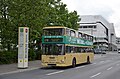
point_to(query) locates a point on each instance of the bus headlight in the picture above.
(62, 61)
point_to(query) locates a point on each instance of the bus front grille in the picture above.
(52, 64)
(52, 57)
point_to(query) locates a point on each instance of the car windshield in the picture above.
(53, 49)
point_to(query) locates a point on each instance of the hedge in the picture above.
(8, 57)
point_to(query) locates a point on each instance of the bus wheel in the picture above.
(74, 63)
(88, 60)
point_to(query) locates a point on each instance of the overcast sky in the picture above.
(109, 9)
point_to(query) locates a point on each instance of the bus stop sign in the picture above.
(23, 47)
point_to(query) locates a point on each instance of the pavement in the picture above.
(13, 68)
(32, 65)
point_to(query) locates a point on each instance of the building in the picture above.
(118, 42)
(101, 29)
(112, 38)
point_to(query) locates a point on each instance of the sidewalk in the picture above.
(12, 68)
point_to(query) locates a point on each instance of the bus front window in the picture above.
(53, 49)
(54, 32)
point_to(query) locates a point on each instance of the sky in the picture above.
(109, 9)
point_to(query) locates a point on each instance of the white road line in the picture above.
(117, 64)
(102, 61)
(109, 68)
(55, 72)
(9, 72)
(95, 75)
(79, 67)
(94, 63)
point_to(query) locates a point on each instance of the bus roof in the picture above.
(51, 27)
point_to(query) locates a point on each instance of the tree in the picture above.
(6, 34)
(34, 14)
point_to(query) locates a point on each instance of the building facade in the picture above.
(101, 29)
(118, 43)
(112, 38)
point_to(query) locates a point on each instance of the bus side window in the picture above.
(67, 32)
(79, 35)
(78, 49)
(72, 33)
(68, 49)
(87, 50)
(63, 31)
(91, 38)
(75, 50)
(91, 49)
(71, 49)
(84, 36)
(84, 50)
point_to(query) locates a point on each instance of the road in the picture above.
(105, 67)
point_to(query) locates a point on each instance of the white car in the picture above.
(119, 51)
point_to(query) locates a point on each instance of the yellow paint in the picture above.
(66, 60)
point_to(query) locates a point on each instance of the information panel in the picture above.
(23, 47)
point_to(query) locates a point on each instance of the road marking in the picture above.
(79, 67)
(94, 63)
(95, 75)
(102, 61)
(109, 68)
(55, 72)
(118, 64)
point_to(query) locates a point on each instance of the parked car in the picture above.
(119, 51)
(103, 53)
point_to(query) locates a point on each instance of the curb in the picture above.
(17, 71)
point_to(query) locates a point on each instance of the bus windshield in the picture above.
(53, 49)
(53, 31)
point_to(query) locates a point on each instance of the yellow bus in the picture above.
(64, 46)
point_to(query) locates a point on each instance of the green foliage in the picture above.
(34, 14)
(7, 57)
(31, 55)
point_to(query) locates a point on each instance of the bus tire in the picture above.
(74, 62)
(88, 60)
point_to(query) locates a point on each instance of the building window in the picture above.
(81, 26)
(84, 26)
(90, 26)
(94, 26)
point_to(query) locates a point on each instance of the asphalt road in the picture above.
(105, 67)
